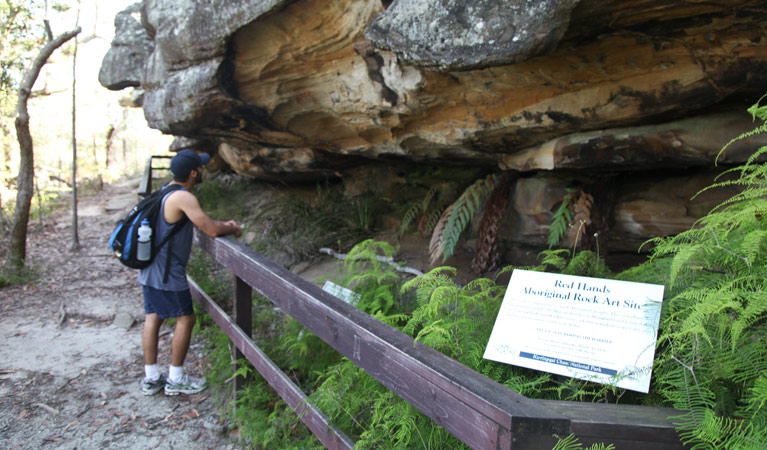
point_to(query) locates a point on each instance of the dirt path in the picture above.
(69, 372)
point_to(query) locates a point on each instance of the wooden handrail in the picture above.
(477, 410)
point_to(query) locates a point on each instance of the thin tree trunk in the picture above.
(75, 236)
(108, 150)
(17, 251)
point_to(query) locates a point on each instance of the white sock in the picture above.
(151, 371)
(175, 373)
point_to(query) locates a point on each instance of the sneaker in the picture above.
(151, 387)
(187, 385)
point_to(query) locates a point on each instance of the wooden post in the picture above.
(242, 313)
(145, 187)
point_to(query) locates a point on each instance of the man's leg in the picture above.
(149, 338)
(178, 382)
(153, 381)
(181, 338)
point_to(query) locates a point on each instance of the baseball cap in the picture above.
(187, 160)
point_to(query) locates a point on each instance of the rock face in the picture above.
(123, 65)
(598, 92)
(459, 35)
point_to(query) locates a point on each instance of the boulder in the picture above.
(123, 65)
(460, 35)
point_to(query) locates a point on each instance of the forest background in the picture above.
(112, 137)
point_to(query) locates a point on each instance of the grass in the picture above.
(25, 275)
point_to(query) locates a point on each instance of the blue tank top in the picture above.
(181, 248)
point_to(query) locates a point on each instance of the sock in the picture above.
(175, 373)
(151, 371)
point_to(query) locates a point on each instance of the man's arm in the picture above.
(183, 202)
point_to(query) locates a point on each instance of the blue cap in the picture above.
(186, 161)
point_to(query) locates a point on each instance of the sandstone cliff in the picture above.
(630, 100)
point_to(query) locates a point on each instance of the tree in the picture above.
(25, 181)
(75, 238)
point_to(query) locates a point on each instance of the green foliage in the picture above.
(711, 354)
(23, 275)
(222, 199)
(21, 33)
(294, 227)
(710, 361)
(561, 219)
(418, 209)
(365, 209)
(456, 217)
(584, 263)
(571, 443)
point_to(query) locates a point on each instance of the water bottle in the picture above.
(144, 251)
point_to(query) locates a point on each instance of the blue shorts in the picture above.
(167, 304)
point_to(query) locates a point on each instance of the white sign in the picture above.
(341, 292)
(587, 328)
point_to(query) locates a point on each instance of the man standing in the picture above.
(166, 291)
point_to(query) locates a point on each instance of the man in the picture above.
(166, 292)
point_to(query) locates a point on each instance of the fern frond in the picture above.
(555, 258)
(487, 256)
(571, 443)
(681, 263)
(436, 248)
(430, 194)
(463, 210)
(758, 130)
(409, 217)
(561, 219)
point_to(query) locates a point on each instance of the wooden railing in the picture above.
(145, 186)
(480, 412)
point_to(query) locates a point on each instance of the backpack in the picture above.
(123, 241)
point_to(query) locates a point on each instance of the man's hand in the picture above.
(237, 229)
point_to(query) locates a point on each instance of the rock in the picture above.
(296, 90)
(123, 320)
(600, 95)
(692, 142)
(182, 75)
(216, 425)
(460, 35)
(123, 65)
(644, 207)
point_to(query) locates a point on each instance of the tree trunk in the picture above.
(75, 236)
(109, 140)
(17, 251)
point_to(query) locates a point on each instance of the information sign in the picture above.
(587, 328)
(341, 292)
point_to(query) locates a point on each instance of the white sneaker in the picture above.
(186, 385)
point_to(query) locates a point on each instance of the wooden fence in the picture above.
(145, 187)
(478, 411)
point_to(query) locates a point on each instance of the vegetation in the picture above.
(711, 354)
(710, 360)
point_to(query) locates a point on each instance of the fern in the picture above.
(487, 256)
(458, 216)
(436, 247)
(571, 443)
(757, 112)
(714, 322)
(421, 210)
(561, 219)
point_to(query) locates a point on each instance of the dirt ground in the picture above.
(70, 372)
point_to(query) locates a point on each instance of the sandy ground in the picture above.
(70, 373)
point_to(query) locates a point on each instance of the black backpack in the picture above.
(124, 239)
